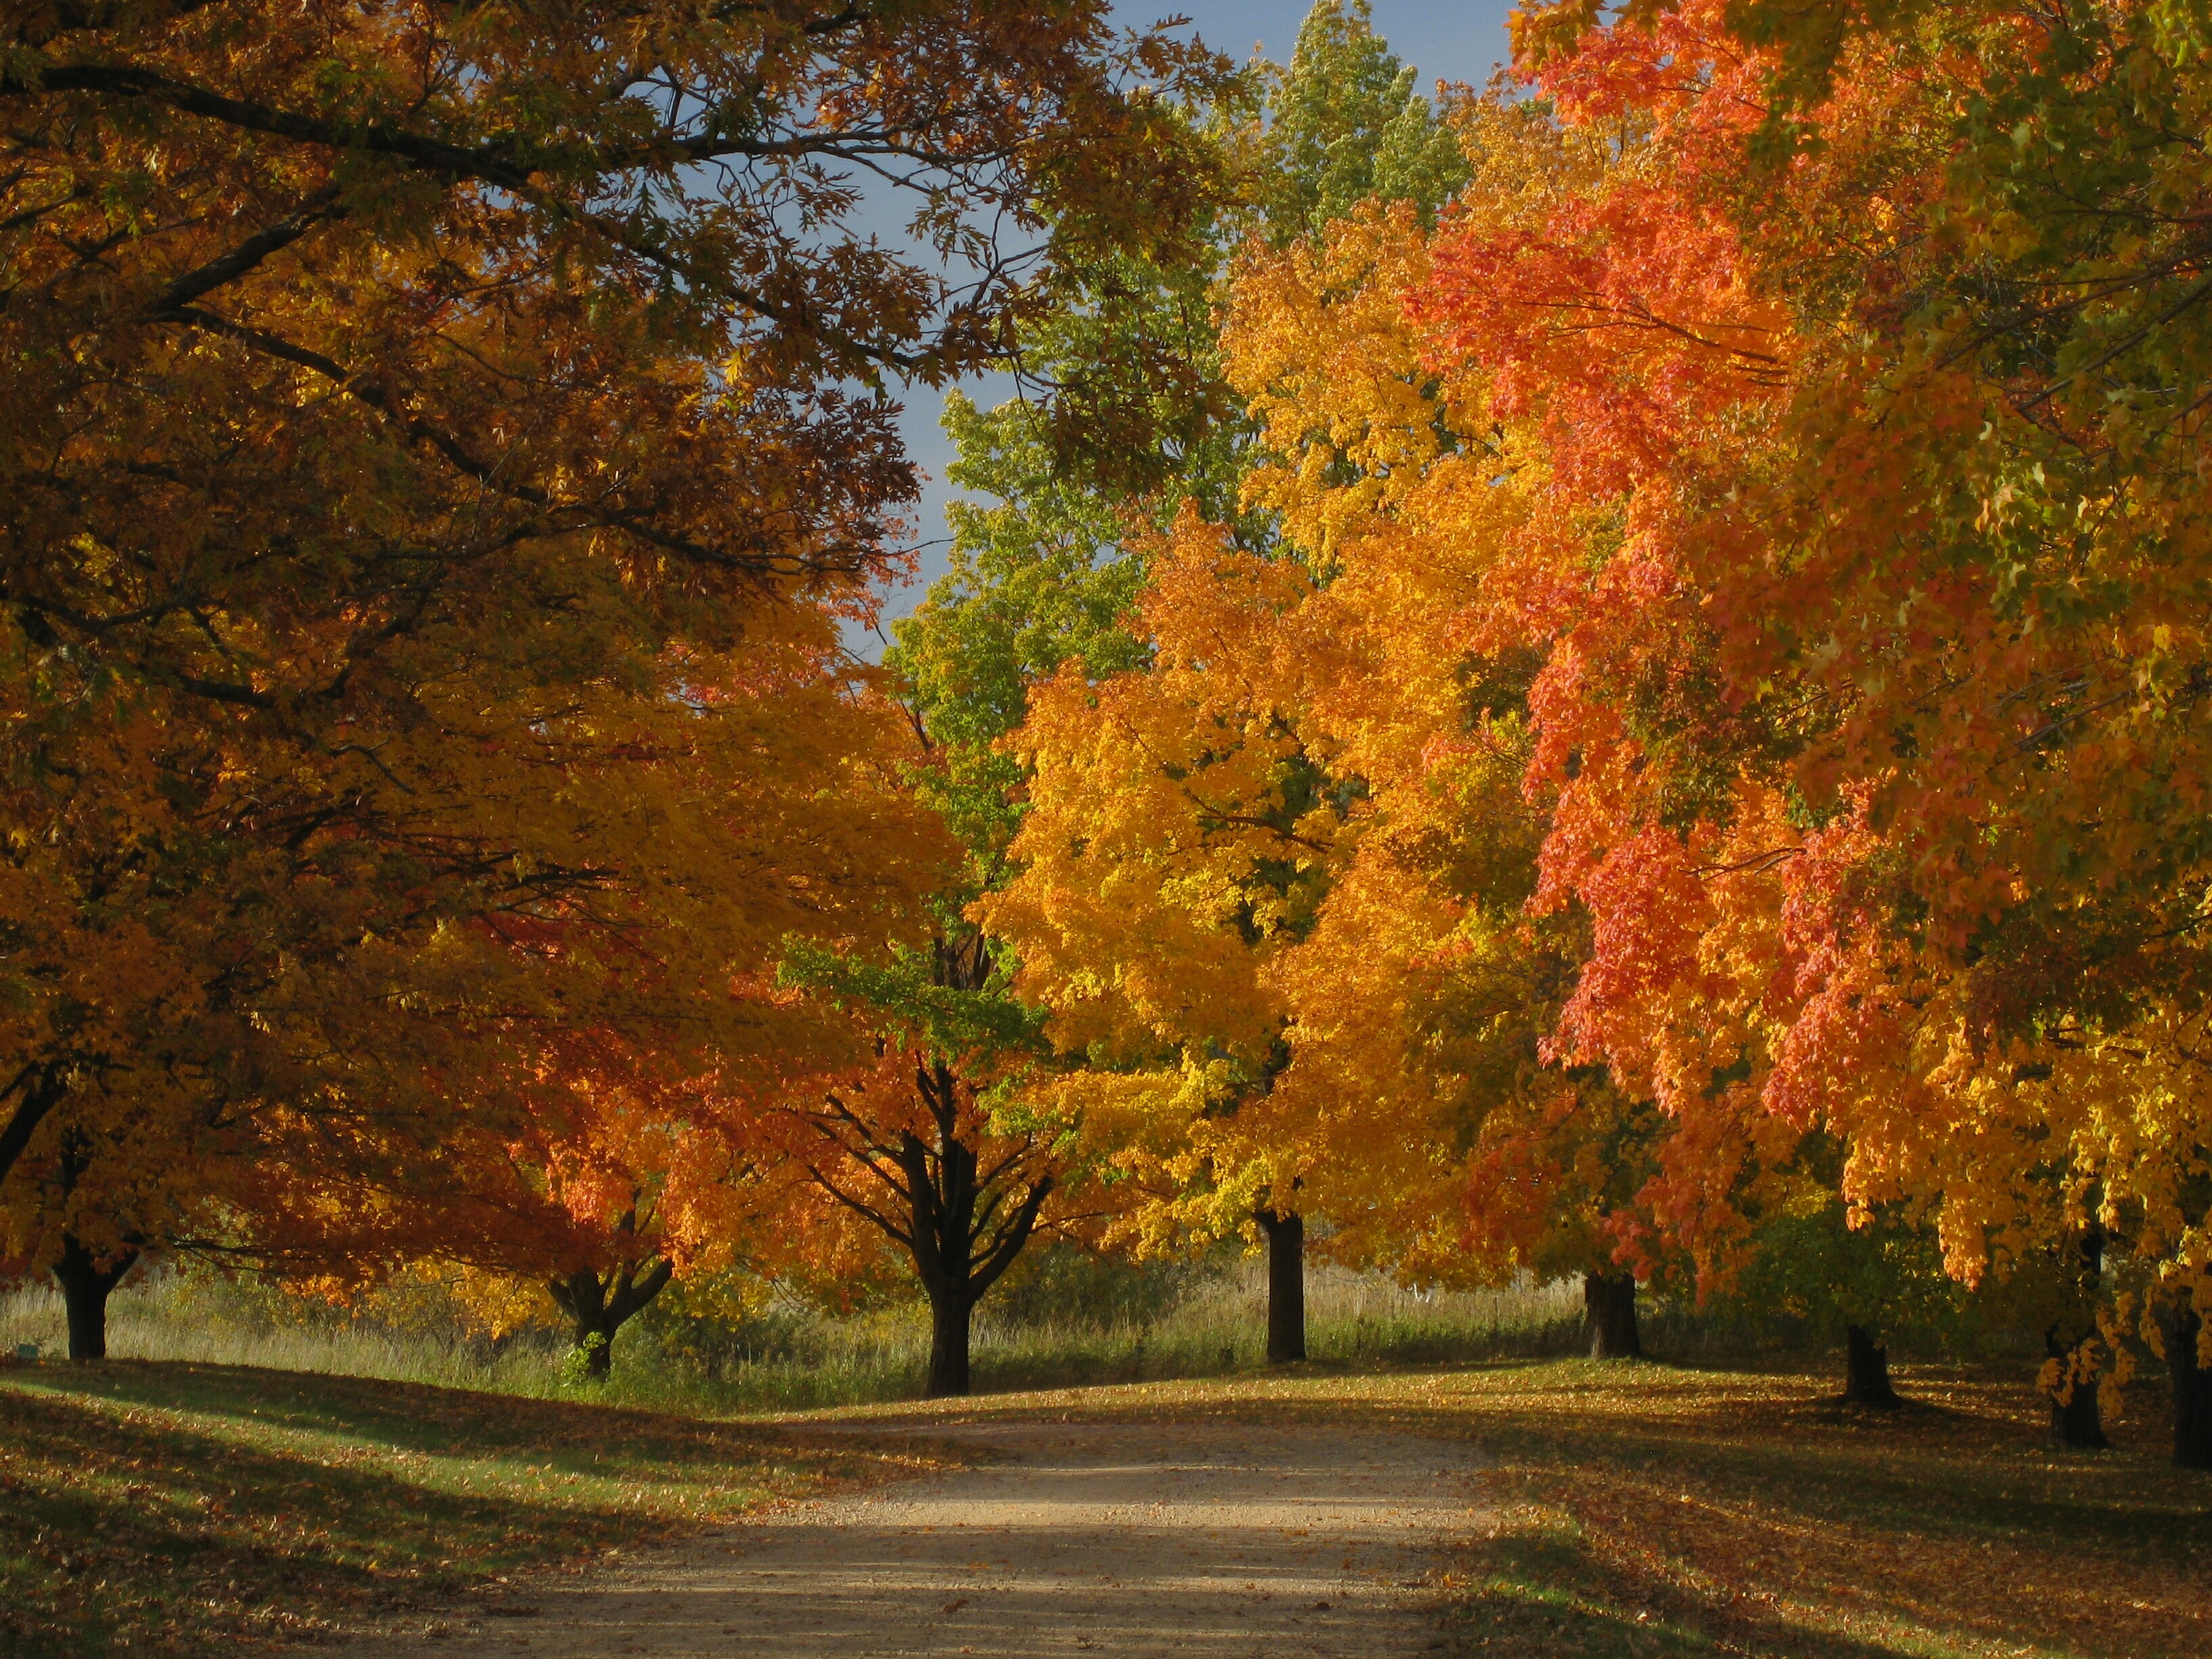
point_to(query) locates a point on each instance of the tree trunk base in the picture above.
(598, 1348)
(599, 1304)
(1866, 1371)
(1286, 1286)
(950, 1321)
(2192, 1388)
(1609, 1307)
(86, 1286)
(2076, 1423)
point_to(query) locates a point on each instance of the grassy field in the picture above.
(795, 1361)
(166, 1508)
(1647, 1511)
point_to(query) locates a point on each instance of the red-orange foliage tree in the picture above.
(1869, 363)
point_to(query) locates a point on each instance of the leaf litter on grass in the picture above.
(166, 1509)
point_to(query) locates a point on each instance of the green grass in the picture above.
(1217, 1328)
(166, 1507)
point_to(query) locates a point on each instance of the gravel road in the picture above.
(1136, 1541)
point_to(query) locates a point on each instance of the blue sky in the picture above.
(1453, 42)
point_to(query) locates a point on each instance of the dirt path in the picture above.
(1137, 1541)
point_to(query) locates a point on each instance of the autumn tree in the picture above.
(636, 1181)
(936, 1141)
(932, 1140)
(1866, 700)
(1149, 902)
(391, 497)
(1428, 991)
(1194, 1080)
(410, 1141)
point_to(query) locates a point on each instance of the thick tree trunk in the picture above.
(2075, 1420)
(2192, 1387)
(1286, 1286)
(1866, 1371)
(951, 1315)
(595, 1340)
(597, 1308)
(1609, 1309)
(86, 1283)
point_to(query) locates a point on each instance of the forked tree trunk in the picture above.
(2075, 1420)
(1866, 1371)
(599, 1307)
(1609, 1310)
(952, 1314)
(1286, 1284)
(962, 1238)
(2192, 1386)
(86, 1280)
(962, 1219)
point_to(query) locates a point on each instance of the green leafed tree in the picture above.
(1347, 127)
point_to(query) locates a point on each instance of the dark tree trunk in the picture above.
(961, 1219)
(597, 1306)
(1609, 1309)
(2075, 1418)
(951, 1315)
(1286, 1286)
(964, 1225)
(86, 1282)
(597, 1344)
(2192, 1386)
(1866, 1371)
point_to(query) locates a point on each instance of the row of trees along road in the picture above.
(1604, 678)
(1696, 775)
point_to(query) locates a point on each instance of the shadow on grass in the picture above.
(1716, 1503)
(416, 1417)
(1549, 1594)
(249, 1503)
(1935, 1470)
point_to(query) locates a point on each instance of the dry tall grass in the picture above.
(799, 1358)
